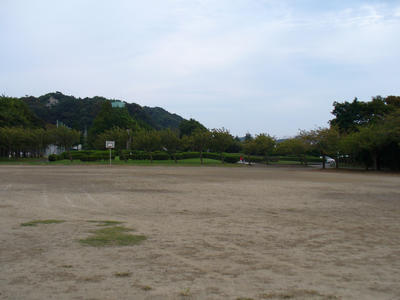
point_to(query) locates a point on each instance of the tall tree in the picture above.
(295, 146)
(221, 140)
(171, 142)
(148, 141)
(108, 118)
(200, 140)
(119, 135)
(65, 138)
(325, 141)
(265, 145)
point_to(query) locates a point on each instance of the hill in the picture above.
(79, 113)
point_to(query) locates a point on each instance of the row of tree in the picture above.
(366, 133)
(17, 142)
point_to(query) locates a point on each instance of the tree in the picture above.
(109, 118)
(15, 113)
(148, 141)
(366, 144)
(295, 146)
(349, 116)
(264, 145)
(325, 141)
(200, 141)
(249, 147)
(171, 142)
(221, 140)
(65, 138)
(187, 127)
(119, 135)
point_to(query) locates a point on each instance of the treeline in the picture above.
(19, 142)
(365, 134)
(361, 133)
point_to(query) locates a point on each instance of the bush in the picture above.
(160, 155)
(211, 155)
(89, 155)
(52, 157)
(231, 158)
(138, 155)
(185, 155)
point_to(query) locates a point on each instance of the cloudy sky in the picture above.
(255, 66)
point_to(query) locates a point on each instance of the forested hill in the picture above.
(79, 113)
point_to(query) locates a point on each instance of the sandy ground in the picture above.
(213, 233)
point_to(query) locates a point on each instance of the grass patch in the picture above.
(303, 294)
(112, 236)
(105, 222)
(185, 292)
(123, 274)
(37, 222)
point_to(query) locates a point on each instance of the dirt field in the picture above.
(212, 233)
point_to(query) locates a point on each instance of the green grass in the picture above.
(105, 222)
(37, 222)
(182, 162)
(112, 236)
(185, 292)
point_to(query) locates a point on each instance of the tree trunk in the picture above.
(201, 157)
(175, 158)
(337, 162)
(151, 157)
(323, 161)
(69, 155)
(375, 160)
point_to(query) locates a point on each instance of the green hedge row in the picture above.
(96, 155)
(85, 155)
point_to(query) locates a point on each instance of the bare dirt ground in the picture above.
(212, 233)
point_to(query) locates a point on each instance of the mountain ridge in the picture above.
(79, 113)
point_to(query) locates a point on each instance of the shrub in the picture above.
(211, 155)
(231, 158)
(160, 155)
(52, 157)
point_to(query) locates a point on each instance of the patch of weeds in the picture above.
(105, 222)
(244, 298)
(93, 278)
(36, 222)
(67, 266)
(306, 294)
(185, 292)
(146, 288)
(112, 236)
(123, 274)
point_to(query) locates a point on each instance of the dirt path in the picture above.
(212, 233)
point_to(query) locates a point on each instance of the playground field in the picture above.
(202, 233)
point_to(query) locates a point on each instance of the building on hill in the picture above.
(117, 104)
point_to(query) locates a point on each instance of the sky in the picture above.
(250, 66)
